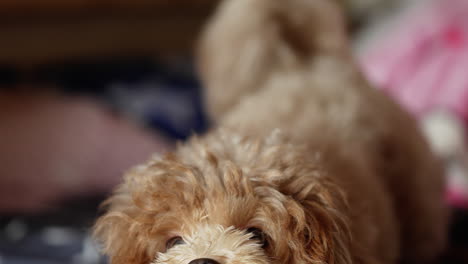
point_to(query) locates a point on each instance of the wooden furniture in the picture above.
(35, 32)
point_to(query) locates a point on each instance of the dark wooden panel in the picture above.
(27, 8)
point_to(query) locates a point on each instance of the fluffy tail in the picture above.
(249, 40)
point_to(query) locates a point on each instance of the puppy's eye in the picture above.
(257, 234)
(172, 242)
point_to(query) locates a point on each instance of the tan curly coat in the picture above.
(329, 169)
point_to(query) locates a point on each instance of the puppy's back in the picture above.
(285, 64)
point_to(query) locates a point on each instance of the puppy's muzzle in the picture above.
(204, 261)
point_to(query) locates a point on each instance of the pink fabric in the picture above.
(457, 198)
(423, 64)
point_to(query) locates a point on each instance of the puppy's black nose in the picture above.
(204, 261)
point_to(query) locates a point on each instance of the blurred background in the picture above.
(89, 88)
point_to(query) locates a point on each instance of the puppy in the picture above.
(308, 164)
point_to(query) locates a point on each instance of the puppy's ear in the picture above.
(120, 234)
(317, 229)
(326, 236)
(137, 222)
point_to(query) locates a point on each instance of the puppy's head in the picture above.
(226, 200)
